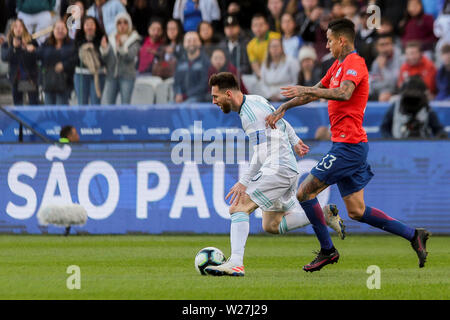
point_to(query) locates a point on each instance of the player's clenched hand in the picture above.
(301, 148)
(272, 119)
(236, 192)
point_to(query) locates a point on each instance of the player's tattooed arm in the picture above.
(343, 93)
(290, 92)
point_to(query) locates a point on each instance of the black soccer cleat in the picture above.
(419, 244)
(322, 260)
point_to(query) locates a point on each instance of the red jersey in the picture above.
(346, 117)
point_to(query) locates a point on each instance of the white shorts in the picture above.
(274, 190)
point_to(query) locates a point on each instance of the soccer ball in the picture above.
(209, 256)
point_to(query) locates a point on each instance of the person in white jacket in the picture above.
(278, 70)
(192, 12)
(120, 51)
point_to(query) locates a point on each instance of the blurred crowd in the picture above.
(163, 51)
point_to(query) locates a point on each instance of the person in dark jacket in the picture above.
(235, 45)
(443, 74)
(191, 74)
(411, 116)
(88, 79)
(20, 52)
(58, 59)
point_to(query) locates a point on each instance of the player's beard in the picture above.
(226, 107)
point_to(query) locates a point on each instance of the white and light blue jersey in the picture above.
(253, 113)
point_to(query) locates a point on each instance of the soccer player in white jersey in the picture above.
(271, 179)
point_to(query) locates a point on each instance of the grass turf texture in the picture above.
(161, 267)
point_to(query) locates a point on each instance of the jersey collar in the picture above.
(243, 101)
(354, 51)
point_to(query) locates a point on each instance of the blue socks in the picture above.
(315, 215)
(379, 219)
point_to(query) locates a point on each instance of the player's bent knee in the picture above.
(355, 214)
(303, 196)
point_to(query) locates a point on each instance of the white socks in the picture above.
(239, 230)
(294, 219)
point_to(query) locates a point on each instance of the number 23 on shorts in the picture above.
(326, 162)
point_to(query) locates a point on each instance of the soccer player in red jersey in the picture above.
(346, 86)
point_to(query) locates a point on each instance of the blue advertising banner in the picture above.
(176, 187)
(157, 122)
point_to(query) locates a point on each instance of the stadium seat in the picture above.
(164, 91)
(4, 82)
(145, 90)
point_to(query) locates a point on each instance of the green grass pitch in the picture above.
(162, 267)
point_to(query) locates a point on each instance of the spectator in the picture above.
(443, 75)
(291, 41)
(308, 19)
(68, 134)
(337, 11)
(417, 26)
(77, 13)
(120, 53)
(351, 11)
(411, 116)
(365, 39)
(257, 47)
(417, 64)
(89, 75)
(310, 72)
(234, 9)
(105, 11)
(386, 27)
(20, 52)
(174, 35)
(278, 70)
(219, 63)
(58, 59)
(235, 45)
(320, 42)
(442, 29)
(392, 10)
(191, 77)
(385, 69)
(192, 12)
(36, 15)
(275, 12)
(151, 45)
(165, 61)
(208, 38)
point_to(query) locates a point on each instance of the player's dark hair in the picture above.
(224, 80)
(343, 27)
(65, 131)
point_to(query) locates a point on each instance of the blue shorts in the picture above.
(345, 164)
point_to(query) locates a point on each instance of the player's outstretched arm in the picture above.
(290, 92)
(342, 93)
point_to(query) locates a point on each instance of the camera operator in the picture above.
(410, 115)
